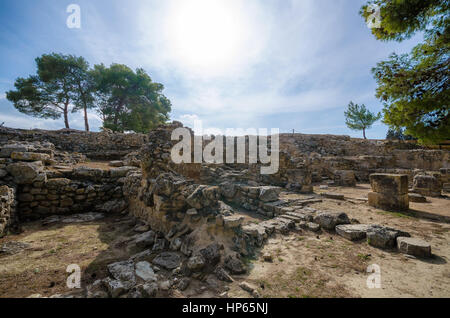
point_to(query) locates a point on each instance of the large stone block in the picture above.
(329, 220)
(345, 178)
(389, 202)
(383, 237)
(29, 156)
(269, 194)
(27, 172)
(414, 246)
(353, 232)
(428, 185)
(6, 150)
(88, 173)
(393, 184)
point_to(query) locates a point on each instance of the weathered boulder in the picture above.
(184, 283)
(168, 260)
(149, 290)
(27, 172)
(386, 183)
(87, 173)
(329, 220)
(196, 263)
(389, 202)
(383, 237)
(120, 171)
(115, 287)
(232, 221)
(269, 194)
(30, 156)
(234, 265)
(228, 190)
(211, 253)
(314, 227)
(123, 272)
(141, 256)
(414, 246)
(222, 274)
(7, 150)
(428, 185)
(160, 245)
(203, 196)
(257, 231)
(145, 272)
(353, 232)
(145, 239)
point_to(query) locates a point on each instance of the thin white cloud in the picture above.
(287, 57)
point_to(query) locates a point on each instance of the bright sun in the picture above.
(206, 34)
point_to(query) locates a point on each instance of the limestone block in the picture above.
(389, 202)
(30, 156)
(345, 178)
(428, 185)
(414, 246)
(393, 184)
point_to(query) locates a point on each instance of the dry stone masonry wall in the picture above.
(94, 145)
(193, 217)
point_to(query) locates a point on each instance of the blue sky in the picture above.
(287, 64)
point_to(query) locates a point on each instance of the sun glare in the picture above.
(206, 34)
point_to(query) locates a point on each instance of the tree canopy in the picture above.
(358, 117)
(414, 87)
(48, 94)
(126, 100)
(397, 134)
(129, 100)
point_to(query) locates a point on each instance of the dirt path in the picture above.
(41, 268)
(305, 264)
(326, 265)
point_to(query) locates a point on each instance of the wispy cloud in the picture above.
(288, 64)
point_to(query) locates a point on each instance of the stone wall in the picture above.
(45, 188)
(201, 197)
(7, 208)
(73, 190)
(95, 145)
(329, 155)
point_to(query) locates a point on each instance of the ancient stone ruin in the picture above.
(201, 222)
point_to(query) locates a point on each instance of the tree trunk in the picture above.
(364, 133)
(86, 122)
(66, 117)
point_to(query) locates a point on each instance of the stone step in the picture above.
(296, 219)
(302, 216)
